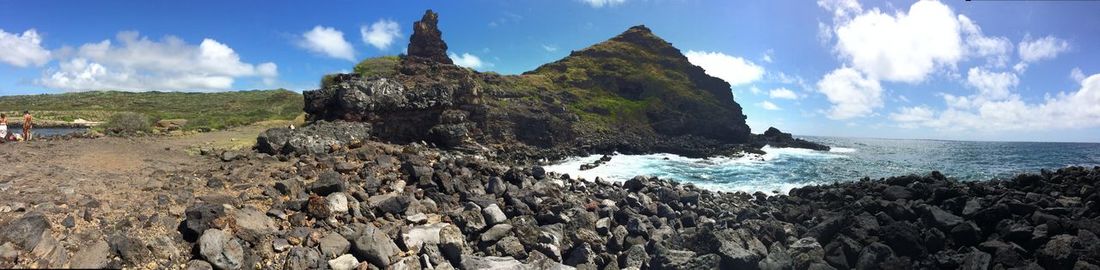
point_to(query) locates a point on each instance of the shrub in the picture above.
(127, 123)
(385, 66)
(327, 80)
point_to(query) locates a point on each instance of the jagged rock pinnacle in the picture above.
(427, 41)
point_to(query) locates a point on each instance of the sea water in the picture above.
(849, 160)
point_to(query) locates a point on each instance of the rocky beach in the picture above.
(434, 166)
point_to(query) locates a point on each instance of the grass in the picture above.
(385, 66)
(204, 111)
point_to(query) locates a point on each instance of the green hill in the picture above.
(204, 111)
(637, 80)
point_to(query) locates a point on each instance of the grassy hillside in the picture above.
(638, 80)
(202, 110)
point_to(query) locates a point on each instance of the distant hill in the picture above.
(202, 110)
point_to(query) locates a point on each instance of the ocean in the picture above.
(849, 160)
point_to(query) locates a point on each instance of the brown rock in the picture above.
(427, 41)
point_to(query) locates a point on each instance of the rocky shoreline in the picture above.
(438, 168)
(386, 206)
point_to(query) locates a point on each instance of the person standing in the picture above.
(3, 126)
(26, 125)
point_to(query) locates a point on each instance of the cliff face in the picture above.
(634, 93)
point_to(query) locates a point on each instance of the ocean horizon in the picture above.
(850, 159)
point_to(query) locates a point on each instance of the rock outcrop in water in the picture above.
(775, 138)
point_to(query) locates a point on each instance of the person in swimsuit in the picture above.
(26, 126)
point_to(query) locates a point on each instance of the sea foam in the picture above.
(748, 173)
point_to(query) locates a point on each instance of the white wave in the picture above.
(749, 173)
(778, 152)
(835, 149)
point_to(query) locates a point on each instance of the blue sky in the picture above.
(981, 70)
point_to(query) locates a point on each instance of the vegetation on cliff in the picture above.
(633, 93)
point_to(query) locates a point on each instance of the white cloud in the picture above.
(23, 50)
(602, 3)
(995, 49)
(734, 70)
(782, 93)
(380, 34)
(913, 114)
(767, 105)
(992, 85)
(904, 46)
(1040, 49)
(1020, 67)
(755, 90)
(549, 48)
(852, 94)
(767, 58)
(467, 60)
(1074, 110)
(138, 63)
(1077, 75)
(327, 41)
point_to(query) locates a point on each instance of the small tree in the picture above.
(127, 123)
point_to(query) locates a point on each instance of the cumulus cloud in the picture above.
(1072, 110)
(327, 41)
(138, 63)
(992, 85)
(734, 70)
(767, 105)
(467, 60)
(851, 93)
(1032, 50)
(380, 34)
(782, 93)
(995, 49)
(23, 50)
(602, 3)
(903, 46)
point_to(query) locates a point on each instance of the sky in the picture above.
(955, 70)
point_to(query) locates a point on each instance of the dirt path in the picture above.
(91, 188)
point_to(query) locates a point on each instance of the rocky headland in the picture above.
(634, 93)
(433, 166)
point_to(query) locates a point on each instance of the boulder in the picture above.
(327, 183)
(874, 255)
(1057, 253)
(493, 214)
(201, 217)
(805, 252)
(344, 262)
(92, 256)
(303, 258)
(25, 231)
(333, 245)
(252, 225)
(221, 249)
(374, 246)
